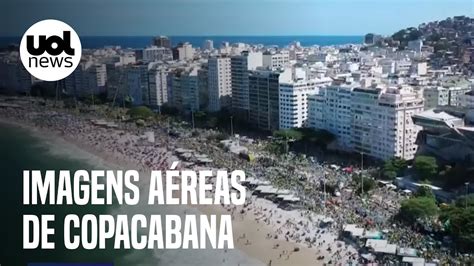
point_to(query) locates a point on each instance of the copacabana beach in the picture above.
(264, 234)
(30, 148)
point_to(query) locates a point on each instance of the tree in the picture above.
(277, 148)
(425, 191)
(368, 183)
(459, 222)
(140, 112)
(393, 167)
(212, 122)
(288, 134)
(399, 164)
(465, 200)
(426, 167)
(319, 137)
(418, 208)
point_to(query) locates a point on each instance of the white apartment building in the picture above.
(435, 96)
(240, 67)
(323, 57)
(373, 121)
(154, 53)
(185, 51)
(419, 68)
(330, 109)
(293, 103)
(388, 65)
(402, 66)
(219, 83)
(455, 95)
(382, 125)
(276, 60)
(158, 86)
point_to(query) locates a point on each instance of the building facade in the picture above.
(158, 86)
(219, 83)
(162, 41)
(277, 60)
(264, 99)
(240, 67)
(330, 109)
(294, 103)
(382, 125)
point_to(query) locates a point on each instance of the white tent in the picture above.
(374, 243)
(388, 249)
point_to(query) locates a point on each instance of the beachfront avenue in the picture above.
(135, 232)
(107, 187)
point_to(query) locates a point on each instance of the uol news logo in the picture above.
(50, 50)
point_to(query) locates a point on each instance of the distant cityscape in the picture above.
(405, 102)
(364, 94)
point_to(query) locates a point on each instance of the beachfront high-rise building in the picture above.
(277, 60)
(162, 41)
(208, 45)
(240, 66)
(14, 76)
(89, 78)
(294, 102)
(184, 88)
(190, 90)
(374, 121)
(330, 109)
(203, 84)
(264, 112)
(219, 82)
(137, 84)
(158, 86)
(174, 87)
(382, 125)
(98, 76)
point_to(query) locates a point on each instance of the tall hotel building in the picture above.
(330, 109)
(219, 83)
(382, 125)
(293, 102)
(374, 121)
(264, 89)
(240, 67)
(158, 86)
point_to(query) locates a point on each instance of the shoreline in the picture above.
(257, 244)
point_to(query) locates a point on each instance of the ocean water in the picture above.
(22, 149)
(91, 42)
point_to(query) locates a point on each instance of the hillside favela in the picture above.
(355, 153)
